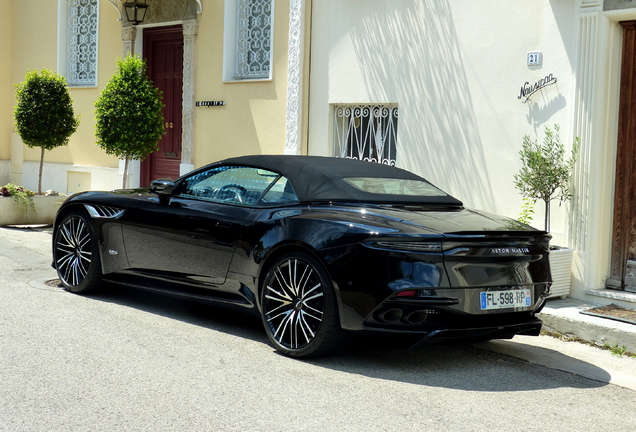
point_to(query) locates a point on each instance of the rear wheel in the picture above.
(76, 254)
(299, 308)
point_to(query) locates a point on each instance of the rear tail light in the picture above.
(408, 293)
(412, 246)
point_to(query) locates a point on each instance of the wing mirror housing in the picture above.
(163, 188)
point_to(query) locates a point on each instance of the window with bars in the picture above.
(366, 132)
(254, 39)
(81, 64)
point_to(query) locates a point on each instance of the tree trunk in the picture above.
(125, 172)
(547, 215)
(40, 173)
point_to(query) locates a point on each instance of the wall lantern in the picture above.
(135, 11)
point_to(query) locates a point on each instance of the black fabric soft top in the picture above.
(318, 178)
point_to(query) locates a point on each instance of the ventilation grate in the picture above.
(101, 212)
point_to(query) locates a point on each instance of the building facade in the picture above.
(222, 67)
(446, 89)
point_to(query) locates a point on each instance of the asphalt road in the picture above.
(130, 361)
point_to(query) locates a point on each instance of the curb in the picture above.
(564, 317)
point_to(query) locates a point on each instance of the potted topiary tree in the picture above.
(128, 113)
(44, 118)
(44, 114)
(546, 175)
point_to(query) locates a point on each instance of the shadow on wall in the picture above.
(412, 52)
(542, 109)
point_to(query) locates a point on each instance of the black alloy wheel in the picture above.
(76, 254)
(299, 308)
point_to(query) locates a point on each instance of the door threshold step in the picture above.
(621, 296)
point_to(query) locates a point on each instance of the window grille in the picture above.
(366, 132)
(254, 39)
(82, 42)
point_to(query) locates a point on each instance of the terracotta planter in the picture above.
(561, 269)
(12, 213)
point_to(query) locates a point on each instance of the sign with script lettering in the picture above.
(528, 90)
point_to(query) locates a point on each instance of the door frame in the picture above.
(190, 32)
(624, 223)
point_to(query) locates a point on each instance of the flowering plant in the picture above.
(20, 194)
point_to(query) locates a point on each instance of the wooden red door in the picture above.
(163, 52)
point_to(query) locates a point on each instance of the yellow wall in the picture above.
(6, 88)
(83, 149)
(253, 121)
(36, 41)
(34, 45)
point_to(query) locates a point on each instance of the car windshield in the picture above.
(394, 186)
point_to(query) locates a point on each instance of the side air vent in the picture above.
(103, 212)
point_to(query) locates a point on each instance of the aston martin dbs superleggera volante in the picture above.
(320, 248)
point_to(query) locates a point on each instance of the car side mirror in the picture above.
(163, 188)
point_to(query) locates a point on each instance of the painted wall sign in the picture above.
(528, 90)
(209, 103)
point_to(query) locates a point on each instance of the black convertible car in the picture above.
(320, 248)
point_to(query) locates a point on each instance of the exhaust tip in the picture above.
(416, 317)
(390, 315)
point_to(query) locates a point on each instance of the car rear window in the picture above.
(394, 186)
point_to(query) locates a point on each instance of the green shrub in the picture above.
(129, 122)
(21, 195)
(44, 114)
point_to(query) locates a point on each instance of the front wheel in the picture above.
(299, 308)
(76, 254)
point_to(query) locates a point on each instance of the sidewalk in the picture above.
(565, 317)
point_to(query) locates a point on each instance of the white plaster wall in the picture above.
(596, 113)
(5, 172)
(455, 68)
(598, 72)
(55, 176)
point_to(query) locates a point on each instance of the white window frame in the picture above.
(230, 45)
(366, 132)
(63, 65)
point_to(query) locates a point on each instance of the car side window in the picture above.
(228, 184)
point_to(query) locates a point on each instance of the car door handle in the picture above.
(199, 233)
(224, 225)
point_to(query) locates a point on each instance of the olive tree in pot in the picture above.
(546, 175)
(129, 122)
(44, 114)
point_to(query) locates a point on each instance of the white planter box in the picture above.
(561, 269)
(12, 213)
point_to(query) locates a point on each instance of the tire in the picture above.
(299, 308)
(76, 254)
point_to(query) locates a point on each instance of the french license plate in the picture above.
(505, 299)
